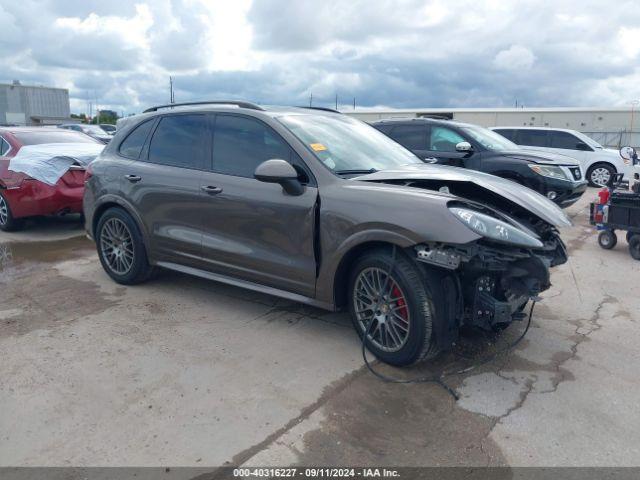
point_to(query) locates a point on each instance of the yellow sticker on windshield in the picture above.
(318, 147)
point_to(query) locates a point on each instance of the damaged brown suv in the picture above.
(320, 208)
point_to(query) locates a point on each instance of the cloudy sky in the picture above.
(384, 53)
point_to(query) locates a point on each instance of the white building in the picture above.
(609, 126)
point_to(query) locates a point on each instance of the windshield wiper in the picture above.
(355, 171)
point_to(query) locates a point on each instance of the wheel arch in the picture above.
(118, 203)
(341, 274)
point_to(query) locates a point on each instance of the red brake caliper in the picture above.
(396, 293)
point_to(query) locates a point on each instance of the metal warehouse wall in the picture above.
(20, 104)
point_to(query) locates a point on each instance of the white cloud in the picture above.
(387, 52)
(516, 58)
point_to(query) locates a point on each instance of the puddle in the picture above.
(16, 255)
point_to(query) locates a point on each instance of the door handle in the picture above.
(430, 159)
(211, 190)
(133, 178)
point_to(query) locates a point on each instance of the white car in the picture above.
(598, 163)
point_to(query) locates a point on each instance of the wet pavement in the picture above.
(182, 371)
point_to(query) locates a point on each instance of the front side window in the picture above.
(533, 138)
(346, 145)
(564, 140)
(240, 144)
(132, 145)
(507, 133)
(412, 137)
(444, 139)
(180, 141)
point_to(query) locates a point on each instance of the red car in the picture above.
(22, 196)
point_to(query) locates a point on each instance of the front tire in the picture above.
(600, 174)
(607, 239)
(120, 248)
(394, 306)
(7, 222)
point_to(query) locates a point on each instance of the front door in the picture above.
(441, 146)
(254, 230)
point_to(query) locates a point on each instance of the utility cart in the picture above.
(618, 208)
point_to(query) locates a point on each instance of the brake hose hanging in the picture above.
(437, 379)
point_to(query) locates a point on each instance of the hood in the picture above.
(537, 156)
(440, 175)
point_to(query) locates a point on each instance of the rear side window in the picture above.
(444, 139)
(412, 137)
(240, 144)
(132, 145)
(564, 140)
(507, 133)
(532, 138)
(180, 141)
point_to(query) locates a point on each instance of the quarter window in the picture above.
(409, 136)
(132, 145)
(240, 144)
(532, 138)
(181, 141)
(444, 139)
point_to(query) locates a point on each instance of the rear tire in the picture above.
(7, 222)
(121, 249)
(607, 239)
(634, 246)
(408, 314)
(600, 174)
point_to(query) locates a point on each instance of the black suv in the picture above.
(559, 177)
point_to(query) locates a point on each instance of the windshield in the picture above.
(490, 139)
(345, 145)
(62, 136)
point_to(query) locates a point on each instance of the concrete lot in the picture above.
(181, 371)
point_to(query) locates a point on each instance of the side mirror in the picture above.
(583, 147)
(628, 153)
(464, 147)
(282, 172)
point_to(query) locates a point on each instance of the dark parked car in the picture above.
(94, 131)
(322, 209)
(446, 142)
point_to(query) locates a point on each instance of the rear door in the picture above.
(254, 230)
(164, 185)
(412, 137)
(533, 139)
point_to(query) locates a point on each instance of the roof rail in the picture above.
(237, 103)
(324, 109)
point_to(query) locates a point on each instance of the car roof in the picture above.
(431, 121)
(568, 130)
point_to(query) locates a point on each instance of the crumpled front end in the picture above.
(494, 282)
